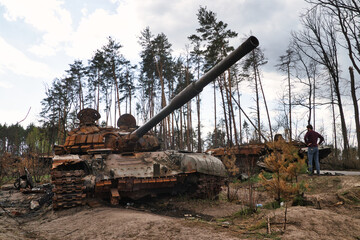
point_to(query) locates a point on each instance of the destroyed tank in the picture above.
(126, 162)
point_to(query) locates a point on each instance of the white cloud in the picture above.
(46, 16)
(4, 84)
(18, 63)
(91, 34)
(95, 27)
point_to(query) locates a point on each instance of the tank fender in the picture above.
(65, 159)
(200, 162)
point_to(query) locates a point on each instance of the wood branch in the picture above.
(268, 225)
(256, 129)
(25, 116)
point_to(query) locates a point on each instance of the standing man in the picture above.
(311, 140)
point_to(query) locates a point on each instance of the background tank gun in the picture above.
(123, 162)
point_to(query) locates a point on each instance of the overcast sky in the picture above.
(40, 38)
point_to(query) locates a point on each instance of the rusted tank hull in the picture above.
(134, 176)
(252, 155)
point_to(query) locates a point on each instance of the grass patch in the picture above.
(272, 205)
(267, 236)
(244, 213)
(6, 180)
(221, 220)
(259, 225)
(300, 200)
(337, 180)
(350, 197)
(345, 193)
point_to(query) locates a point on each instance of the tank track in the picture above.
(68, 188)
(208, 186)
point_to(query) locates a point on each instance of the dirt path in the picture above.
(334, 213)
(114, 223)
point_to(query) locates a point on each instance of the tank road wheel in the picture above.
(208, 186)
(68, 188)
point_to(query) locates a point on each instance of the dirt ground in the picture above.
(332, 212)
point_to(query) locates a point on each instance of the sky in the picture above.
(40, 38)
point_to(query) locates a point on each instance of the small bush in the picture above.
(272, 205)
(299, 200)
(244, 212)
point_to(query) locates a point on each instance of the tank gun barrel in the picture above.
(195, 88)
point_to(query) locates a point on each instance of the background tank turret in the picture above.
(125, 162)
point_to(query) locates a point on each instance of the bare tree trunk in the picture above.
(310, 103)
(229, 122)
(285, 216)
(130, 100)
(257, 106)
(314, 105)
(163, 125)
(117, 89)
(343, 124)
(229, 115)
(240, 121)
(215, 122)
(356, 108)
(266, 107)
(181, 129)
(81, 100)
(152, 101)
(188, 124)
(334, 120)
(199, 124)
(115, 113)
(248, 118)
(188, 116)
(290, 106)
(198, 114)
(232, 109)
(171, 119)
(98, 100)
(172, 131)
(186, 129)
(224, 109)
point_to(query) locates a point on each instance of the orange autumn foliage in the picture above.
(285, 164)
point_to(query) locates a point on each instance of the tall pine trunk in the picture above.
(215, 122)
(240, 121)
(224, 109)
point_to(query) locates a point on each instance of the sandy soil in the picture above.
(333, 213)
(309, 223)
(118, 223)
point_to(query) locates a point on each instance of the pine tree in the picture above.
(285, 164)
(215, 37)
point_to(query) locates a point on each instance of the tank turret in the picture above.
(123, 162)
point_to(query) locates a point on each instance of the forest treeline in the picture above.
(111, 84)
